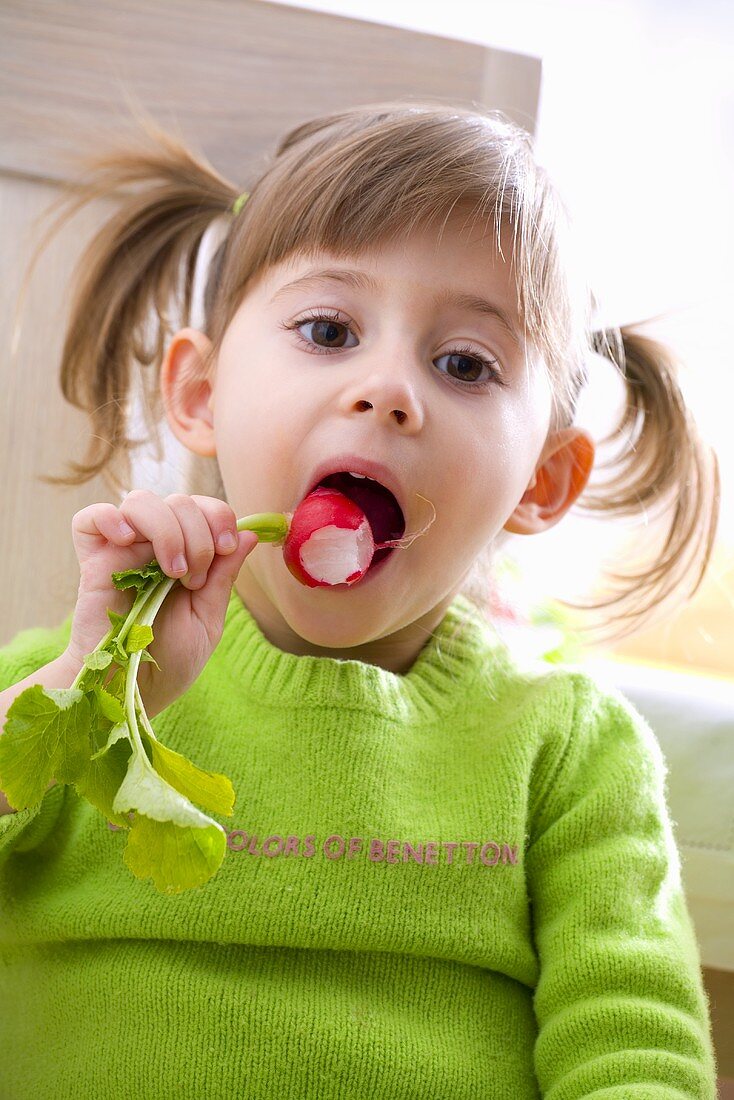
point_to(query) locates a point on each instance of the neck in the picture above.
(395, 652)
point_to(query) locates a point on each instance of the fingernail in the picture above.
(179, 564)
(126, 530)
(227, 541)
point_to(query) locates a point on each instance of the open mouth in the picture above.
(382, 510)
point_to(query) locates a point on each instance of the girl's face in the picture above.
(392, 373)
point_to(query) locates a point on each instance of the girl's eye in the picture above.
(468, 362)
(325, 327)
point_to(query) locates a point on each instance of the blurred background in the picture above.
(631, 108)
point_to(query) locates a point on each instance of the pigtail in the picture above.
(664, 463)
(126, 278)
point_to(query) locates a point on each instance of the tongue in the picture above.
(378, 504)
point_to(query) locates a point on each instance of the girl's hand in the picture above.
(190, 621)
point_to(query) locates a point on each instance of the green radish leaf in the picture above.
(170, 840)
(103, 778)
(116, 733)
(144, 791)
(209, 789)
(109, 705)
(140, 577)
(116, 620)
(98, 658)
(91, 737)
(138, 638)
(147, 657)
(116, 686)
(46, 736)
(176, 858)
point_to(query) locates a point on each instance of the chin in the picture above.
(338, 617)
(326, 623)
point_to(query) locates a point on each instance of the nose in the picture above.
(390, 395)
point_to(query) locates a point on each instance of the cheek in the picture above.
(258, 442)
(488, 471)
(248, 407)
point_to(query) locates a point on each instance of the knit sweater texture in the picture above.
(460, 882)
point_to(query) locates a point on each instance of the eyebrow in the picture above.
(360, 280)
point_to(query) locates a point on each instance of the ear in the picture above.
(186, 393)
(562, 472)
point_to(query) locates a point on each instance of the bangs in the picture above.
(350, 183)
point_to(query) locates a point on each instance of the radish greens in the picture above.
(97, 736)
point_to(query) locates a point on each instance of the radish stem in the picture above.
(268, 526)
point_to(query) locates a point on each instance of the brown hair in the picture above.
(345, 182)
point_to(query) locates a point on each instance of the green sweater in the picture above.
(456, 883)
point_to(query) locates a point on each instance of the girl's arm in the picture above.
(621, 1007)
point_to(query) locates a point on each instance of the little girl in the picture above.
(448, 875)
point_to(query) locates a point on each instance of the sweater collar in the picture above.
(462, 647)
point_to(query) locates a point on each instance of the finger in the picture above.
(199, 542)
(157, 522)
(96, 525)
(222, 522)
(209, 600)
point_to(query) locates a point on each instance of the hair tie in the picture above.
(240, 202)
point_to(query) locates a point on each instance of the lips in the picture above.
(351, 463)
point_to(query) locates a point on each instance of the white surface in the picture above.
(692, 717)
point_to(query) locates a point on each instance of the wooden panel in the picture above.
(719, 986)
(235, 75)
(40, 431)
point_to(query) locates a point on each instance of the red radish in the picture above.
(330, 540)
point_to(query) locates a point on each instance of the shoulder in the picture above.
(606, 751)
(602, 722)
(30, 649)
(608, 723)
(587, 705)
